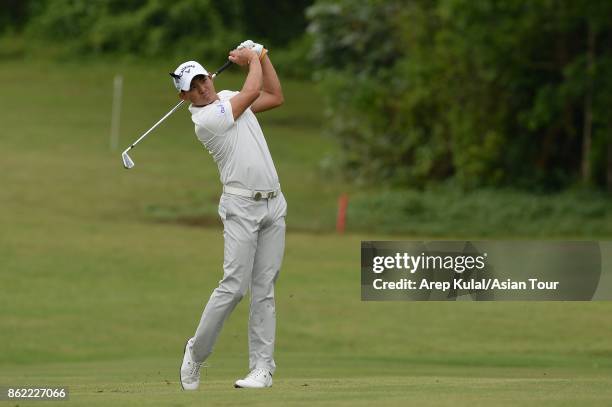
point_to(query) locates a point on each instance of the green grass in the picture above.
(102, 279)
(444, 211)
(153, 383)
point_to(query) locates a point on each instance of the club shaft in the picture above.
(226, 65)
(157, 124)
(179, 104)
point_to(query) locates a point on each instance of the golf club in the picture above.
(127, 160)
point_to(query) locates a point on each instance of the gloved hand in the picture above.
(258, 48)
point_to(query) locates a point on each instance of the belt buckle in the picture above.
(257, 196)
(271, 194)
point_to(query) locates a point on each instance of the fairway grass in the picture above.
(105, 310)
(101, 282)
(332, 381)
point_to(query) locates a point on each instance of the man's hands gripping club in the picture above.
(243, 52)
(258, 48)
(269, 93)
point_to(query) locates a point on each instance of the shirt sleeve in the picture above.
(218, 118)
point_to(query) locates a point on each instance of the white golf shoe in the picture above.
(257, 379)
(190, 369)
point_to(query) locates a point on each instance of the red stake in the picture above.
(341, 219)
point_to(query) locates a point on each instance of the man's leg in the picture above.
(240, 237)
(268, 260)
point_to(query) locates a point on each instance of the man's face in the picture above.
(201, 92)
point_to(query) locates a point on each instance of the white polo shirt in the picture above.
(237, 146)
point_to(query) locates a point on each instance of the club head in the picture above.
(127, 161)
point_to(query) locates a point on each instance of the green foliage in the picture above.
(180, 29)
(13, 15)
(156, 27)
(487, 93)
(354, 35)
(292, 61)
(444, 211)
(275, 22)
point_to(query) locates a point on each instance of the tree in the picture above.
(499, 92)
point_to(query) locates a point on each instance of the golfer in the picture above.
(252, 208)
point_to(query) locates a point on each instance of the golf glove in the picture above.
(258, 48)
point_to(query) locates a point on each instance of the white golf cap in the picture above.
(185, 72)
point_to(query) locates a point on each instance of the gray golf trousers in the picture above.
(254, 235)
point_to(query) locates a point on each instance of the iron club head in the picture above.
(127, 161)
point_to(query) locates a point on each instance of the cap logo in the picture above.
(185, 70)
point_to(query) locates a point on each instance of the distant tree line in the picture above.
(155, 27)
(495, 92)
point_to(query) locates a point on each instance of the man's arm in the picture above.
(251, 89)
(271, 94)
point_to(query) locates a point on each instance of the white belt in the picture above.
(249, 193)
